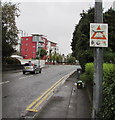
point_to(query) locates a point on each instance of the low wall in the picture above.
(20, 67)
(42, 62)
(11, 67)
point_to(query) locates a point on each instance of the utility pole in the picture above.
(98, 65)
(1, 60)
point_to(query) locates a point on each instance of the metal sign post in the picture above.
(98, 32)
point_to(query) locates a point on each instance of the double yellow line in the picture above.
(35, 106)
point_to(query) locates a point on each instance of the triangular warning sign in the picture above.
(98, 34)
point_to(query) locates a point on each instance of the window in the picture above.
(26, 38)
(33, 46)
(35, 38)
(26, 44)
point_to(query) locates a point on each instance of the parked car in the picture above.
(31, 68)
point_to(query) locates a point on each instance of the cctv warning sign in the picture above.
(98, 35)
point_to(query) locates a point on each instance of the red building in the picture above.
(30, 45)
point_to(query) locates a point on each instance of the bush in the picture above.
(11, 61)
(88, 75)
(109, 57)
(108, 105)
(71, 59)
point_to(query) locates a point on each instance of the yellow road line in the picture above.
(38, 102)
(42, 95)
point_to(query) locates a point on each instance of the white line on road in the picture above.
(25, 77)
(4, 82)
(19, 78)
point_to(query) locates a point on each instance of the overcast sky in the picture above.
(55, 19)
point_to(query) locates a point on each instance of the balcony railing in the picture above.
(40, 46)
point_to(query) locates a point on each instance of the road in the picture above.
(18, 90)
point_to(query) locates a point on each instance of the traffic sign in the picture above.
(98, 35)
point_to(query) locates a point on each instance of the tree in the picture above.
(42, 52)
(56, 57)
(109, 18)
(80, 42)
(9, 28)
(70, 59)
(59, 58)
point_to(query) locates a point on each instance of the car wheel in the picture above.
(40, 71)
(35, 72)
(23, 72)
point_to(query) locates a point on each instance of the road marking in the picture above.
(25, 77)
(4, 82)
(33, 107)
(45, 93)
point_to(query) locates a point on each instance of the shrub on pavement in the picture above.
(108, 105)
(88, 74)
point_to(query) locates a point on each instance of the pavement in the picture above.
(68, 102)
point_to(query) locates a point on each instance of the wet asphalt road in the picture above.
(68, 102)
(18, 90)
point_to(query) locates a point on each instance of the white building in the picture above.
(52, 48)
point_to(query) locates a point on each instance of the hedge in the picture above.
(11, 61)
(88, 75)
(108, 105)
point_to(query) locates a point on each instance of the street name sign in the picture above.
(98, 35)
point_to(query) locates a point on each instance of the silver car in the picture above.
(31, 68)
